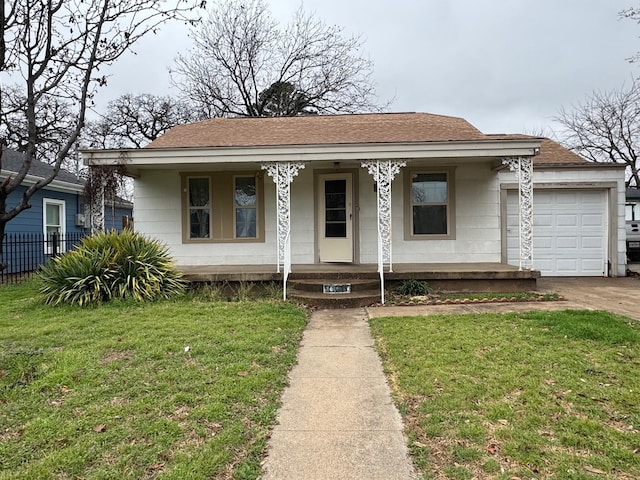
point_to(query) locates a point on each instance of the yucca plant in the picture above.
(110, 265)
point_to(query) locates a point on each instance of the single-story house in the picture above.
(373, 189)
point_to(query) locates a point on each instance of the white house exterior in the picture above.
(303, 190)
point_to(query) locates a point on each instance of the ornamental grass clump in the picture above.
(111, 265)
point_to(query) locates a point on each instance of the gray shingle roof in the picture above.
(12, 161)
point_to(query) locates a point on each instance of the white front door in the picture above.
(335, 217)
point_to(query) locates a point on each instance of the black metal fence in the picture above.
(24, 253)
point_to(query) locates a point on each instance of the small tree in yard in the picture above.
(51, 56)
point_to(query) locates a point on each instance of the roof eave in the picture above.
(56, 185)
(370, 151)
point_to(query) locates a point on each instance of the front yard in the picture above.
(180, 389)
(189, 388)
(517, 396)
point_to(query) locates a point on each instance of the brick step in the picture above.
(318, 299)
(316, 285)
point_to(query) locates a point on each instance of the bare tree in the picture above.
(606, 128)
(631, 13)
(135, 120)
(241, 52)
(53, 52)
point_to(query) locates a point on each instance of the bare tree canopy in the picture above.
(51, 56)
(606, 128)
(135, 120)
(245, 64)
(632, 13)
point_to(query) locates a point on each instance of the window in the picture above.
(199, 194)
(222, 207)
(245, 202)
(428, 204)
(53, 225)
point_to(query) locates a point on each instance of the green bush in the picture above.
(413, 288)
(111, 265)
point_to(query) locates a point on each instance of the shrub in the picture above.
(413, 288)
(111, 265)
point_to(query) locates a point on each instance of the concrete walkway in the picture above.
(337, 419)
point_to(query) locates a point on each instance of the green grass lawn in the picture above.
(179, 389)
(517, 396)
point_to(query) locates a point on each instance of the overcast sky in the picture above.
(507, 66)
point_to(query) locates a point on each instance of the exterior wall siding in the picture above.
(157, 213)
(31, 219)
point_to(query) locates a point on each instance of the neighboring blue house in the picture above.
(57, 217)
(54, 209)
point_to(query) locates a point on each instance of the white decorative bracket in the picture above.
(383, 173)
(282, 174)
(523, 168)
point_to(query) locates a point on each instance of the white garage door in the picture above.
(569, 232)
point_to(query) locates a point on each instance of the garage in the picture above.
(569, 232)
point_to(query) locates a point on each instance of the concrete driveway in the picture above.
(618, 295)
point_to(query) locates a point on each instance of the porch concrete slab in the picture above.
(337, 418)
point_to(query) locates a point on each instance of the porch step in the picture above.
(317, 284)
(311, 291)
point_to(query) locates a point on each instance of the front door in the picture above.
(335, 217)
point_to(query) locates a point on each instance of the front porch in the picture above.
(446, 277)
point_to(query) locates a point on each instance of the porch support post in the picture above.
(96, 205)
(523, 168)
(383, 173)
(282, 174)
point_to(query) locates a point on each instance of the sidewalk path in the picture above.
(337, 419)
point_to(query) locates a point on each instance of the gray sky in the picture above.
(504, 65)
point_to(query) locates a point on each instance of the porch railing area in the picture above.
(24, 253)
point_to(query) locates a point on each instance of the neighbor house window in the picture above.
(199, 198)
(428, 204)
(53, 225)
(222, 207)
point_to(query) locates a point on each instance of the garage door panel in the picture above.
(566, 242)
(566, 265)
(569, 228)
(542, 220)
(566, 220)
(543, 243)
(591, 220)
(593, 243)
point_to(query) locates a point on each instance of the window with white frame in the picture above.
(53, 223)
(429, 204)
